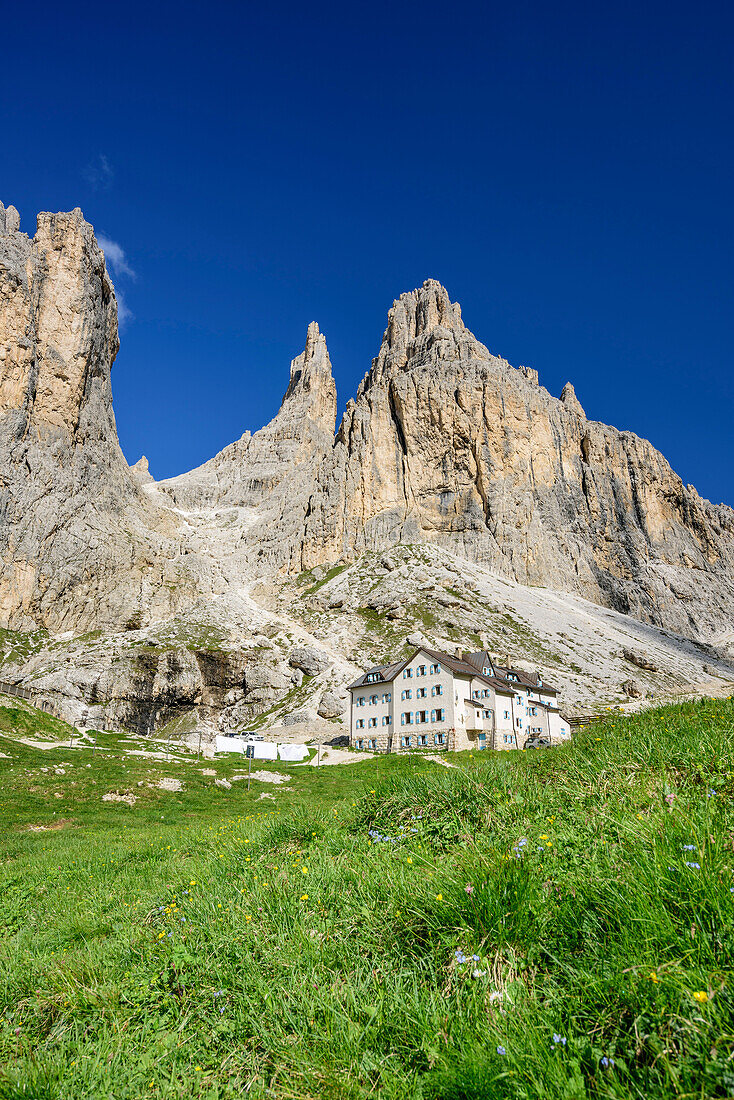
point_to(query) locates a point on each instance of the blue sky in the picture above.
(564, 169)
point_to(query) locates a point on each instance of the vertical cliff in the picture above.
(448, 443)
(79, 543)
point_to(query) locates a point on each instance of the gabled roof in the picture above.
(387, 673)
(532, 680)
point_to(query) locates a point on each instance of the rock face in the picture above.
(448, 443)
(78, 540)
(444, 443)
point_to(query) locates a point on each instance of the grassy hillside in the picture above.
(554, 924)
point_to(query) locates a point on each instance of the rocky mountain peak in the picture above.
(419, 312)
(571, 401)
(9, 219)
(311, 384)
(423, 327)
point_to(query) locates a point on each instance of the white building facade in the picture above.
(432, 700)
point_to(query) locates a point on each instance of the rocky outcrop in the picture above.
(309, 660)
(444, 443)
(80, 545)
(448, 443)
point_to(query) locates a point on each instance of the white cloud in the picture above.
(99, 173)
(115, 257)
(124, 313)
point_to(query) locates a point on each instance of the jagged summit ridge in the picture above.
(444, 442)
(9, 219)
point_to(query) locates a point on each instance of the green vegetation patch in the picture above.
(20, 719)
(554, 924)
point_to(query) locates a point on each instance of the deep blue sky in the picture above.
(564, 169)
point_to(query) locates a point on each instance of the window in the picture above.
(533, 710)
(371, 677)
(518, 700)
(435, 669)
(475, 695)
(421, 716)
(372, 723)
(421, 670)
(372, 743)
(359, 724)
(486, 713)
(405, 742)
(406, 718)
(423, 740)
(386, 720)
(359, 743)
(408, 694)
(440, 715)
(421, 693)
(373, 700)
(437, 689)
(438, 738)
(407, 673)
(511, 676)
(518, 721)
(387, 697)
(507, 714)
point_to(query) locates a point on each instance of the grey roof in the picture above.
(525, 679)
(387, 673)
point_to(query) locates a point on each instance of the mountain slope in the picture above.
(446, 452)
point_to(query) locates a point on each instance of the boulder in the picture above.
(331, 705)
(309, 660)
(639, 660)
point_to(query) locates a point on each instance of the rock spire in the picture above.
(444, 442)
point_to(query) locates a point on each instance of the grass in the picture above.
(207, 943)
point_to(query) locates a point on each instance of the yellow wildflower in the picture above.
(700, 996)
(653, 977)
(439, 897)
(304, 897)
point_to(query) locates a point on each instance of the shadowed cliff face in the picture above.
(444, 443)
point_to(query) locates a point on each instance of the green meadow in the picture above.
(554, 924)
